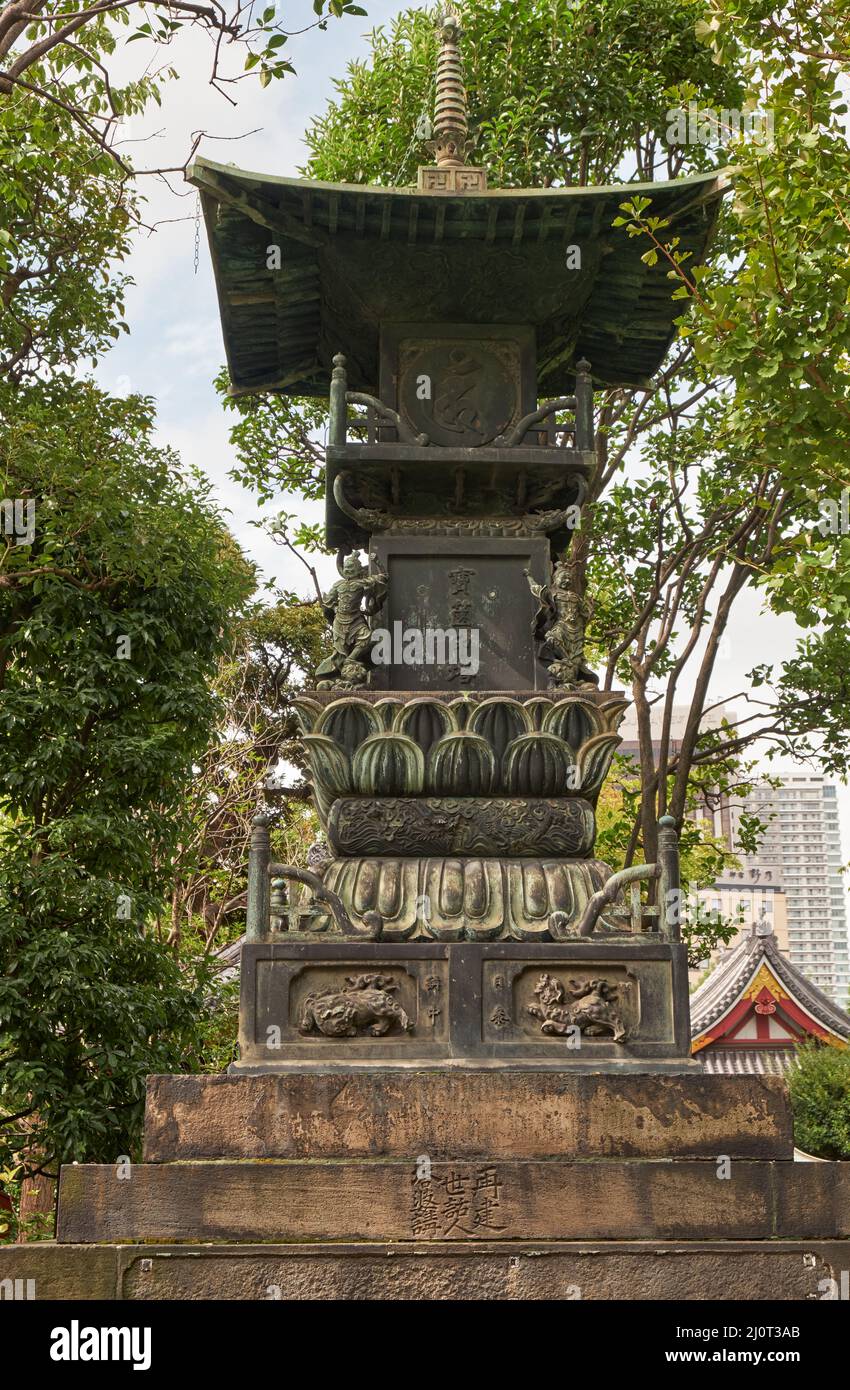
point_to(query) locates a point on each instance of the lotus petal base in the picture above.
(468, 899)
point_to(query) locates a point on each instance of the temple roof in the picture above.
(757, 998)
(353, 256)
(747, 1061)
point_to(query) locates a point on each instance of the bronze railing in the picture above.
(540, 424)
(662, 918)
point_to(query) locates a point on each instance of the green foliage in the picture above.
(560, 92)
(276, 648)
(773, 320)
(779, 328)
(139, 696)
(819, 1085)
(280, 447)
(89, 1005)
(111, 624)
(64, 57)
(65, 216)
(702, 855)
(285, 642)
(14, 1227)
(813, 696)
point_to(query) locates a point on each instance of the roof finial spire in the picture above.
(451, 143)
(451, 125)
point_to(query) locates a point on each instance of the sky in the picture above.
(174, 348)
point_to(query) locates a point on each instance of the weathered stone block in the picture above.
(409, 1271)
(42, 1270)
(465, 1113)
(354, 1200)
(762, 1270)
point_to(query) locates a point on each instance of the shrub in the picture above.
(819, 1083)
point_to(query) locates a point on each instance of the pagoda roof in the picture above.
(757, 999)
(353, 256)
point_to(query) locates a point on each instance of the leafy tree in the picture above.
(120, 616)
(66, 220)
(68, 198)
(778, 328)
(560, 92)
(771, 325)
(819, 1085)
(277, 649)
(114, 610)
(62, 53)
(67, 189)
(702, 855)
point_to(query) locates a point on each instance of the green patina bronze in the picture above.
(352, 257)
(457, 739)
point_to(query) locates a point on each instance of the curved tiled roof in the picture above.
(740, 965)
(353, 256)
(746, 1061)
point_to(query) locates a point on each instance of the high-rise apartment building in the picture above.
(753, 893)
(803, 845)
(797, 868)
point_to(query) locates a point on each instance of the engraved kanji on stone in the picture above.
(460, 611)
(456, 1205)
(460, 604)
(425, 1214)
(486, 1200)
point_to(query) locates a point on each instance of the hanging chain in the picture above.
(423, 129)
(197, 232)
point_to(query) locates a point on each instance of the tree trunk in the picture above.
(38, 1197)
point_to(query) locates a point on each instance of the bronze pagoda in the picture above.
(457, 738)
(464, 1071)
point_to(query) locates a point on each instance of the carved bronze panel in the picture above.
(593, 1002)
(469, 899)
(461, 825)
(350, 1002)
(458, 393)
(461, 384)
(569, 1004)
(362, 1004)
(475, 589)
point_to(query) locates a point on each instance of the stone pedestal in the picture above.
(475, 1182)
(411, 1271)
(467, 1113)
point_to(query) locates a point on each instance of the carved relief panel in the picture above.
(385, 1004)
(581, 1004)
(461, 384)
